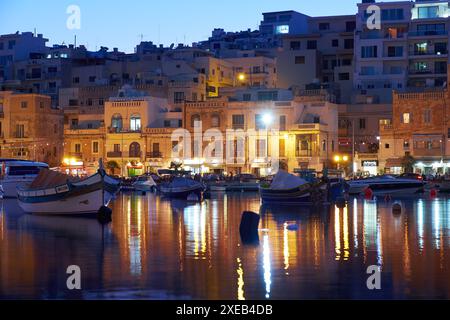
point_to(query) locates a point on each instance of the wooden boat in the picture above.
(144, 183)
(14, 173)
(288, 189)
(181, 188)
(56, 193)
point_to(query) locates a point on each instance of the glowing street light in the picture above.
(267, 119)
(241, 76)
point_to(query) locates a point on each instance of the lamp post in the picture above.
(267, 120)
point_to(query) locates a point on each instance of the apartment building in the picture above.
(323, 55)
(409, 51)
(30, 128)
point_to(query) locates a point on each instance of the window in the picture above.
(76, 80)
(282, 148)
(324, 26)
(282, 123)
(344, 76)
(295, 45)
(427, 116)
(215, 121)
(95, 147)
(311, 45)
(300, 60)
(350, 26)
(117, 148)
(428, 12)
(431, 29)
(194, 119)
(24, 104)
(135, 150)
(368, 70)
(247, 97)
(387, 146)
(261, 148)
(268, 96)
(369, 52)
(346, 62)
(178, 97)
(20, 131)
(135, 122)
(392, 14)
(77, 148)
(335, 43)
(440, 67)
(89, 102)
(11, 44)
(420, 48)
(349, 44)
(92, 79)
(395, 51)
(238, 121)
(406, 118)
(166, 123)
(362, 124)
(259, 123)
(116, 122)
(406, 144)
(283, 29)
(440, 48)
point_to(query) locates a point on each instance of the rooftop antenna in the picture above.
(35, 32)
(75, 42)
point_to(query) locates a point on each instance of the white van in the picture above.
(14, 173)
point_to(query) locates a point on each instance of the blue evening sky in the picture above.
(121, 24)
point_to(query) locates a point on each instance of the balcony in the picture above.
(114, 154)
(154, 155)
(433, 152)
(427, 71)
(432, 53)
(430, 33)
(77, 155)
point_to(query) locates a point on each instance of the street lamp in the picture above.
(241, 77)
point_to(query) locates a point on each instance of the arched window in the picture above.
(135, 122)
(116, 122)
(195, 118)
(135, 150)
(215, 121)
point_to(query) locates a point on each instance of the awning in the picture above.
(394, 163)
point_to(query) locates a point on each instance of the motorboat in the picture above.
(243, 183)
(144, 183)
(182, 188)
(56, 193)
(289, 189)
(386, 185)
(15, 173)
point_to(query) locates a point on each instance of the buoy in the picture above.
(248, 228)
(104, 215)
(433, 193)
(368, 194)
(397, 208)
(341, 203)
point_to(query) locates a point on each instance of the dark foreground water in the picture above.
(157, 249)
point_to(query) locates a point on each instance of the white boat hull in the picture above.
(85, 203)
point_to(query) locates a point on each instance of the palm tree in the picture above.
(112, 166)
(408, 163)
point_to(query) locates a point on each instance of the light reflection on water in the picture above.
(158, 249)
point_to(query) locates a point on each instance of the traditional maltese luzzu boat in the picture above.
(56, 193)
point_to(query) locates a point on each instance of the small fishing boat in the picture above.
(289, 189)
(144, 183)
(56, 193)
(182, 188)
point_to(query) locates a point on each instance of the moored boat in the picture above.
(56, 193)
(144, 183)
(181, 188)
(289, 189)
(386, 185)
(14, 173)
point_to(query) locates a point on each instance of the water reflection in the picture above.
(159, 249)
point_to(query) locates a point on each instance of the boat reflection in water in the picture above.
(160, 249)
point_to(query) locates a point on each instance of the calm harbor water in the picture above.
(158, 249)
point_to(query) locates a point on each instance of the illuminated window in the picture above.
(135, 122)
(406, 118)
(116, 122)
(283, 29)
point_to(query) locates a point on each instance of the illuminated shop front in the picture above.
(135, 169)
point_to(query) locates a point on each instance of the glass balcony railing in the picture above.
(428, 33)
